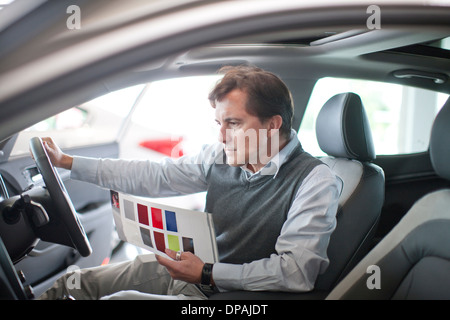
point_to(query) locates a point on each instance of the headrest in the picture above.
(440, 142)
(343, 130)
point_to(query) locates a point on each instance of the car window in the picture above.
(173, 118)
(95, 122)
(399, 121)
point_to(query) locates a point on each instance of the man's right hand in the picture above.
(57, 157)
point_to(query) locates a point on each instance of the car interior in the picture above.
(391, 212)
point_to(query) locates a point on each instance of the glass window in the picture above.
(94, 122)
(443, 43)
(173, 118)
(399, 121)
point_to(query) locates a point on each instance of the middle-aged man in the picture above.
(273, 204)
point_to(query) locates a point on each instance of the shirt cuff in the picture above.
(227, 277)
(84, 169)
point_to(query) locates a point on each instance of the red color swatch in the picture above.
(157, 218)
(142, 214)
(159, 241)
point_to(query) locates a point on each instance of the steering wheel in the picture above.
(60, 198)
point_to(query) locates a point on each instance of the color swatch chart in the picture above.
(157, 227)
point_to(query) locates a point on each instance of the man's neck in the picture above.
(256, 167)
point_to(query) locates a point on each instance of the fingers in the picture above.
(50, 145)
(57, 157)
(188, 268)
(171, 265)
(48, 140)
(171, 253)
(45, 142)
(168, 262)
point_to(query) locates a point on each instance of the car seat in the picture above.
(413, 260)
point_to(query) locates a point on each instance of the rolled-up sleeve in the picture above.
(301, 247)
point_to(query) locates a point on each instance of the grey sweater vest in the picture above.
(248, 215)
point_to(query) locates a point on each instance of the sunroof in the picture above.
(436, 48)
(443, 43)
(305, 40)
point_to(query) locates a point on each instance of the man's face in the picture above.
(244, 137)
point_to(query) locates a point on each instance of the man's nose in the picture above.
(222, 137)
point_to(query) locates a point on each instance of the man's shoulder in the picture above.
(317, 169)
(299, 157)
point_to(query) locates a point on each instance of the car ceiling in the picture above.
(47, 71)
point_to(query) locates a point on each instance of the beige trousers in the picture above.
(141, 278)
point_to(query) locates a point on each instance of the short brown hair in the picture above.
(267, 95)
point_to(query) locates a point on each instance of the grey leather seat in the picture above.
(343, 133)
(413, 260)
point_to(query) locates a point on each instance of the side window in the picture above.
(94, 122)
(173, 118)
(399, 120)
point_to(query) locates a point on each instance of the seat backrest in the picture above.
(344, 134)
(413, 260)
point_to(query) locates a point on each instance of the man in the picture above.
(273, 204)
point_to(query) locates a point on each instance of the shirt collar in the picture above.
(274, 165)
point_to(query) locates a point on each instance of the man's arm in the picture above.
(170, 177)
(301, 247)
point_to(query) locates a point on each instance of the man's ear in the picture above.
(275, 124)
